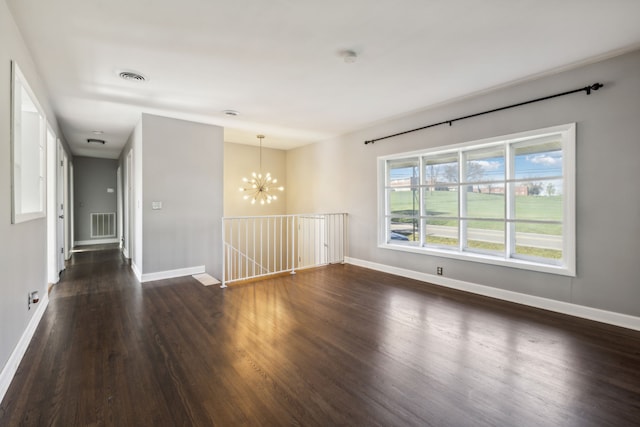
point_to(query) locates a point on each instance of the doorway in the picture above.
(126, 234)
(62, 184)
(52, 213)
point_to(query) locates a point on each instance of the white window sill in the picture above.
(562, 270)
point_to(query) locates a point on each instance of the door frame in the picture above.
(68, 210)
(127, 195)
(119, 206)
(52, 224)
(61, 216)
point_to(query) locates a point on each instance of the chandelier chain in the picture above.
(260, 137)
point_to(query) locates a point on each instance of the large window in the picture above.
(507, 200)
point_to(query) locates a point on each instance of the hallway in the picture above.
(339, 345)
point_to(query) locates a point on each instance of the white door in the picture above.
(320, 240)
(60, 180)
(312, 248)
(119, 205)
(68, 203)
(126, 242)
(52, 213)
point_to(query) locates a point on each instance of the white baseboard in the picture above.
(170, 274)
(604, 316)
(125, 252)
(136, 271)
(10, 369)
(95, 242)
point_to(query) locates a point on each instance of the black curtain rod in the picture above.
(586, 89)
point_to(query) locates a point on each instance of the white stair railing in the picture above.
(264, 245)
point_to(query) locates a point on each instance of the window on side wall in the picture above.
(506, 201)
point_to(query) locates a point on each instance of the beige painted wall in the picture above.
(318, 179)
(239, 161)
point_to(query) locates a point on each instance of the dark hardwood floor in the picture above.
(339, 345)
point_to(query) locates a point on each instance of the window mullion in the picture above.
(510, 202)
(462, 203)
(387, 213)
(387, 202)
(422, 226)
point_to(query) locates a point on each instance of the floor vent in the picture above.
(103, 224)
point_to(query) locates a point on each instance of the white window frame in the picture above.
(28, 154)
(566, 267)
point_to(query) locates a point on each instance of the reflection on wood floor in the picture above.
(339, 345)
(93, 248)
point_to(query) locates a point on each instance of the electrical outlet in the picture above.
(439, 271)
(32, 298)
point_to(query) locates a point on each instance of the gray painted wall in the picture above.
(23, 260)
(92, 178)
(340, 175)
(182, 167)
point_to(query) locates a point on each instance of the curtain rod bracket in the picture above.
(594, 86)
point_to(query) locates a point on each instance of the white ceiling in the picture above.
(277, 62)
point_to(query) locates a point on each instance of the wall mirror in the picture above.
(28, 136)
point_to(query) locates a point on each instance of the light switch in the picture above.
(110, 190)
(156, 205)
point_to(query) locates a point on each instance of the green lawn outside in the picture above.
(445, 204)
(522, 250)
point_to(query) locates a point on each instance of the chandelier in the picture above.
(260, 187)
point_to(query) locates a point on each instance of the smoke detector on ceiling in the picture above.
(348, 56)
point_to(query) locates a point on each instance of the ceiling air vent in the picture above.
(132, 76)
